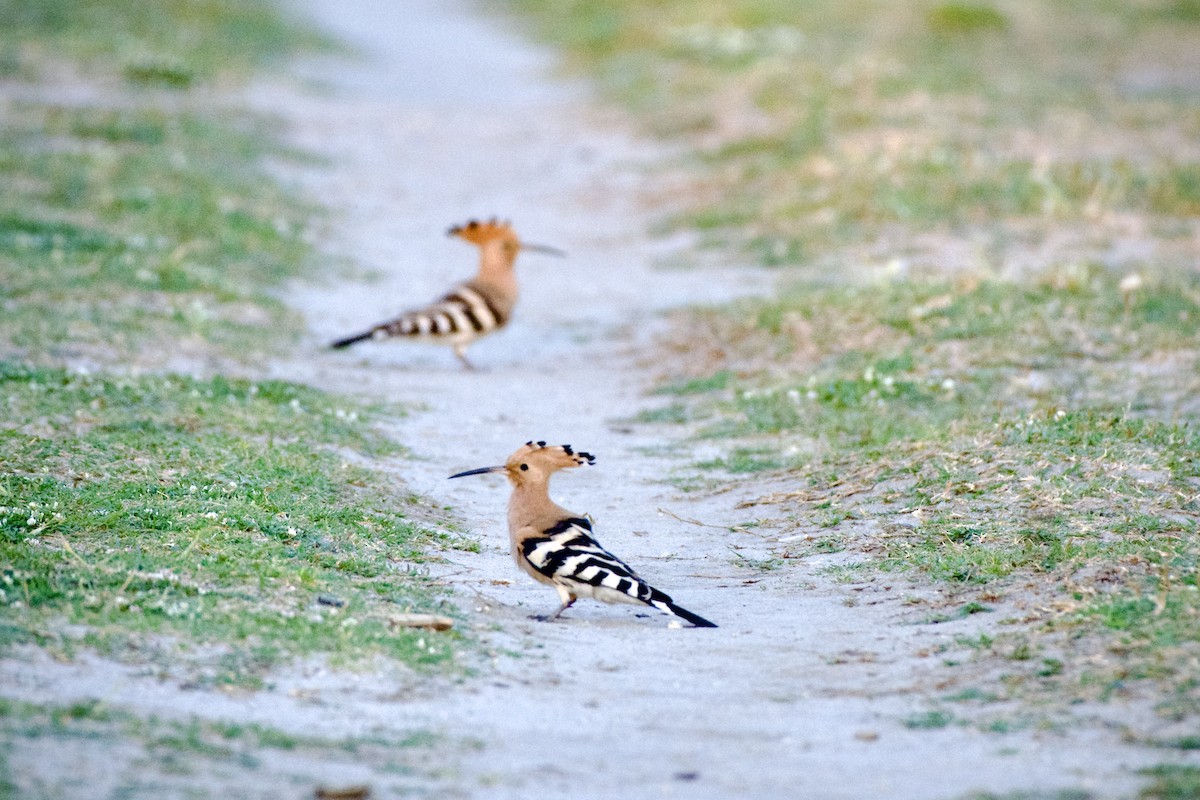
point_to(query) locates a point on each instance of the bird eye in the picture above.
(524, 467)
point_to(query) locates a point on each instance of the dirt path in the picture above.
(799, 693)
(802, 691)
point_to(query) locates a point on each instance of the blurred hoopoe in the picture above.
(471, 309)
(555, 546)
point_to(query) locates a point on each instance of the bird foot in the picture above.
(544, 617)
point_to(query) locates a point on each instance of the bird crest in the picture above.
(549, 457)
(479, 233)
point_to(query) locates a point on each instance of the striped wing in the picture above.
(567, 554)
(463, 314)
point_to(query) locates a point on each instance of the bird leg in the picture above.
(544, 618)
(461, 351)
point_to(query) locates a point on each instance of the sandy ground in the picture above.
(802, 691)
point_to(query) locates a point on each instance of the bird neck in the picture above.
(530, 505)
(496, 263)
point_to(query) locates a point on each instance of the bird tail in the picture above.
(355, 339)
(668, 606)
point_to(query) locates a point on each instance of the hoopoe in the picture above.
(471, 309)
(556, 546)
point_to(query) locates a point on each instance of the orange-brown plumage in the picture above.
(475, 307)
(556, 547)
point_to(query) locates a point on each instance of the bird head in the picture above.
(536, 462)
(499, 237)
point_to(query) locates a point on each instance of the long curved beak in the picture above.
(544, 248)
(480, 471)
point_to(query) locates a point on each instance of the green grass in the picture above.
(929, 720)
(1004, 434)
(164, 512)
(828, 130)
(1171, 782)
(138, 233)
(674, 412)
(172, 45)
(870, 366)
(715, 382)
(954, 18)
(745, 460)
(214, 527)
(134, 225)
(971, 695)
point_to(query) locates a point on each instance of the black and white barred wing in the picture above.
(463, 315)
(465, 312)
(568, 555)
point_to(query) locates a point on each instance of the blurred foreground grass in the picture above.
(143, 235)
(137, 223)
(175, 45)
